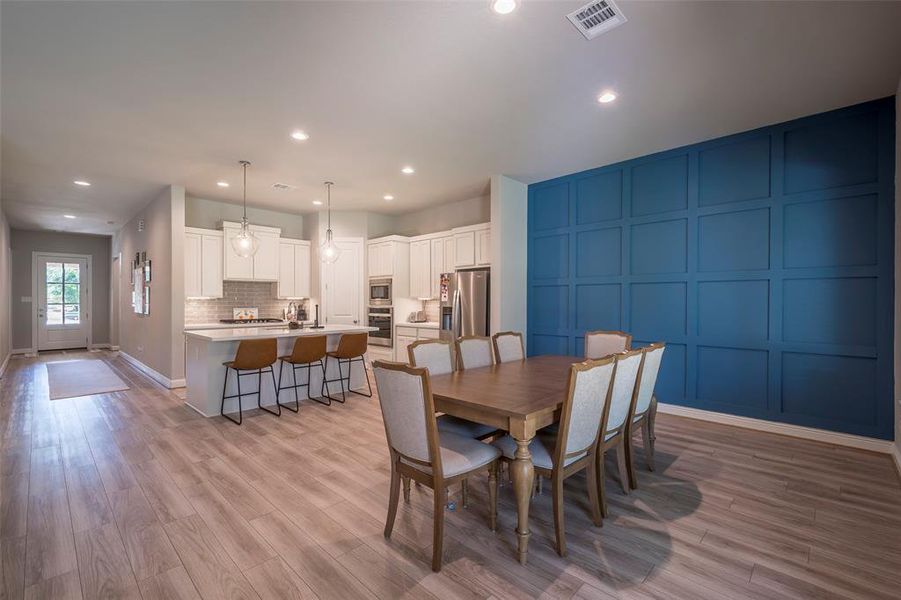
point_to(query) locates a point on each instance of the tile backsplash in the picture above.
(237, 294)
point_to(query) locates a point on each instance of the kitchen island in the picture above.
(207, 349)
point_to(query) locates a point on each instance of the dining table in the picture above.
(519, 397)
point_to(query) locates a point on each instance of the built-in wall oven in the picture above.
(382, 318)
(380, 292)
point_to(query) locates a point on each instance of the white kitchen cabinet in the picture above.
(450, 255)
(401, 343)
(263, 265)
(203, 263)
(483, 247)
(381, 259)
(421, 268)
(293, 269)
(389, 257)
(472, 246)
(438, 265)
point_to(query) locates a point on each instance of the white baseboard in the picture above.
(808, 433)
(152, 373)
(25, 351)
(102, 347)
(4, 364)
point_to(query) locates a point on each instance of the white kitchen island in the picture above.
(207, 349)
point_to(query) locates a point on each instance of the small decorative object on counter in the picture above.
(294, 325)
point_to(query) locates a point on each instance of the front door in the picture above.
(344, 284)
(63, 301)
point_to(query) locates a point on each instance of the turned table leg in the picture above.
(523, 474)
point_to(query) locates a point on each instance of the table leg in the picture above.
(523, 473)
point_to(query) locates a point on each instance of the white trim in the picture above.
(25, 351)
(152, 373)
(5, 363)
(798, 431)
(896, 454)
(88, 286)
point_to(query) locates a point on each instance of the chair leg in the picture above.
(278, 406)
(406, 489)
(438, 526)
(630, 460)
(621, 463)
(602, 493)
(540, 484)
(465, 493)
(557, 484)
(365, 372)
(222, 412)
(593, 500)
(394, 492)
(492, 496)
(648, 434)
(324, 397)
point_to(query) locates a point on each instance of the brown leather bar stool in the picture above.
(255, 356)
(351, 348)
(307, 351)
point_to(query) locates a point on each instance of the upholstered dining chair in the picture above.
(419, 452)
(644, 408)
(508, 346)
(473, 352)
(575, 446)
(604, 343)
(614, 424)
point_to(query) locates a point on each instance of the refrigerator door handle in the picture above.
(455, 316)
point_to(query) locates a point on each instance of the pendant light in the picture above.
(245, 243)
(328, 250)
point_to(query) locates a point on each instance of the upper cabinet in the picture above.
(472, 246)
(293, 269)
(381, 259)
(263, 265)
(203, 263)
(389, 257)
(421, 268)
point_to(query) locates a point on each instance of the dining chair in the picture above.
(604, 343)
(419, 452)
(474, 351)
(614, 423)
(575, 446)
(508, 346)
(351, 348)
(644, 408)
(253, 357)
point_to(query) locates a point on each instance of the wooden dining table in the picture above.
(519, 397)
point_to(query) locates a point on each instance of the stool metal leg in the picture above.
(278, 411)
(365, 372)
(279, 388)
(323, 396)
(222, 412)
(340, 379)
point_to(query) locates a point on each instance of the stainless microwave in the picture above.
(380, 292)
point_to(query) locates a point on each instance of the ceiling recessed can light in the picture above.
(299, 135)
(389, 197)
(408, 170)
(503, 7)
(222, 183)
(69, 216)
(607, 97)
(81, 182)
(317, 202)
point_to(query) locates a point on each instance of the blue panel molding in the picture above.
(764, 259)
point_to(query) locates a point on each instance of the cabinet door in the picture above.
(373, 266)
(437, 266)
(192, 265)
(420, 268)
(483, 247)
(400, 348)
(265, 261)
(302, 270)
(450, 255)
(211, 266)
(287, 273)
(381, 259)
(465, 249)
(236, 267)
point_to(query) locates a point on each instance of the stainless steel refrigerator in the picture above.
(465, 305)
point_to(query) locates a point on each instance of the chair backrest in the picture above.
(352, 345)
(309, 349)
(599, 344)
(508, 346)
(255, 354)
(408, 412)
(434, 355)
(624, 378)
(588, 393)
(474, 352)
(647, 377)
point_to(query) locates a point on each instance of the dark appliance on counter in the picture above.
(465, 306)
(381, 317)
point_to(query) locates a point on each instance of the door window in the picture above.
(63, 281)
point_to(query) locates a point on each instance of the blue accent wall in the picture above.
(763, 259)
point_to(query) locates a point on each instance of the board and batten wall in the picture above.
(764, 260)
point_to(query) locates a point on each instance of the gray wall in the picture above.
(209, 214)
(24, 243)
(5, 290)
(443, 217)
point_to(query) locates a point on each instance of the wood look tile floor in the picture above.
(133, 495)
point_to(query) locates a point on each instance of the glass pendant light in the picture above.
(328, 250)
(245, 243)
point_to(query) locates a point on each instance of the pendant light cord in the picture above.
(245, 164)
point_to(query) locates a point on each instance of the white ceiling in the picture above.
(133, 96)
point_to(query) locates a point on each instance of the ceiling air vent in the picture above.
(595, 18)
(284, 187)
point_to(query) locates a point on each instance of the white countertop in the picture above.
(243, 332)
(426, 325)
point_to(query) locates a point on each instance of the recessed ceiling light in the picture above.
(389, 197)
(317, 202)
(408, 170)
(503, 7)
(222, 183)
(80, 182)
(606, 97)
(299, 135)
(69, 216)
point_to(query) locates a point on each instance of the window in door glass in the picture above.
(54, 314)
(63, 281)
(71, 314)
(73, 273)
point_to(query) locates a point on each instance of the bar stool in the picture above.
(306, 352)
(351, 348)
(252, 355)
